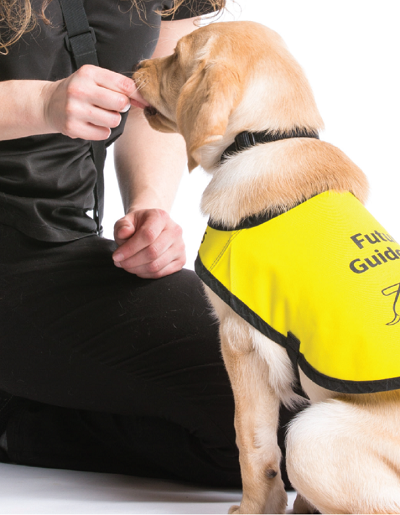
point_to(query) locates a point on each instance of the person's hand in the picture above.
(150, 244)
(88, 104)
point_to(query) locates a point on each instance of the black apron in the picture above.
(48, 182)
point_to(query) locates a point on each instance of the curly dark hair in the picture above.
(17, 17)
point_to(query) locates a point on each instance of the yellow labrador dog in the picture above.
(304, 281)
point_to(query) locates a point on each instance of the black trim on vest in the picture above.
(247, 139)
(237, 305)
(293, 350)
(259, 219)
(291, 343)
(249, 222)
(254, 220)
(345, 385)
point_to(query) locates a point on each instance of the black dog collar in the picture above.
(246, 139)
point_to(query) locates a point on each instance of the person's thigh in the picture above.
(80, 333)
(126, 373)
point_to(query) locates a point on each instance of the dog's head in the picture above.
(223, 79)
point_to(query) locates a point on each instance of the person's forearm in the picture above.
(21, 111)
(85, 105)
(149, 164)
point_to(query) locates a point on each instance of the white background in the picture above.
(350, 51)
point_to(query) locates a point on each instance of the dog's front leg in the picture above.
(256, 421)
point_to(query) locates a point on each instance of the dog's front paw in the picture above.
(234, 509)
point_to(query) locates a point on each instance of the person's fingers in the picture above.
(87, 104)
(119, 84)
(93, 124)
(86, 131)
(149, 225)
(170, 262)
(151, 253)
(102, 88)
(110, 80)
(151, 244)
(137, 100)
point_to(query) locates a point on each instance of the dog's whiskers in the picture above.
(140, 82)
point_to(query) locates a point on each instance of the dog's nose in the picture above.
(137, 67)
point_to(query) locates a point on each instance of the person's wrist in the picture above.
(44, 116)
(146, 204)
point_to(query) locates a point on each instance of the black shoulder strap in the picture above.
(80, 41)
(80, 36)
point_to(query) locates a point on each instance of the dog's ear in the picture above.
(204, 105)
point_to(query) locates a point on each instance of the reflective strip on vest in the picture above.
(326, 272)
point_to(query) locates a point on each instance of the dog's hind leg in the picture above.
(256, 420)
(343, 455)
(301, 505)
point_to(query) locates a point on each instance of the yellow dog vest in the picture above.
(322, 280)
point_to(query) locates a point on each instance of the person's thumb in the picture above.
(124, 229)
(137, 100)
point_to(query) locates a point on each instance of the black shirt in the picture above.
(47, 181)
